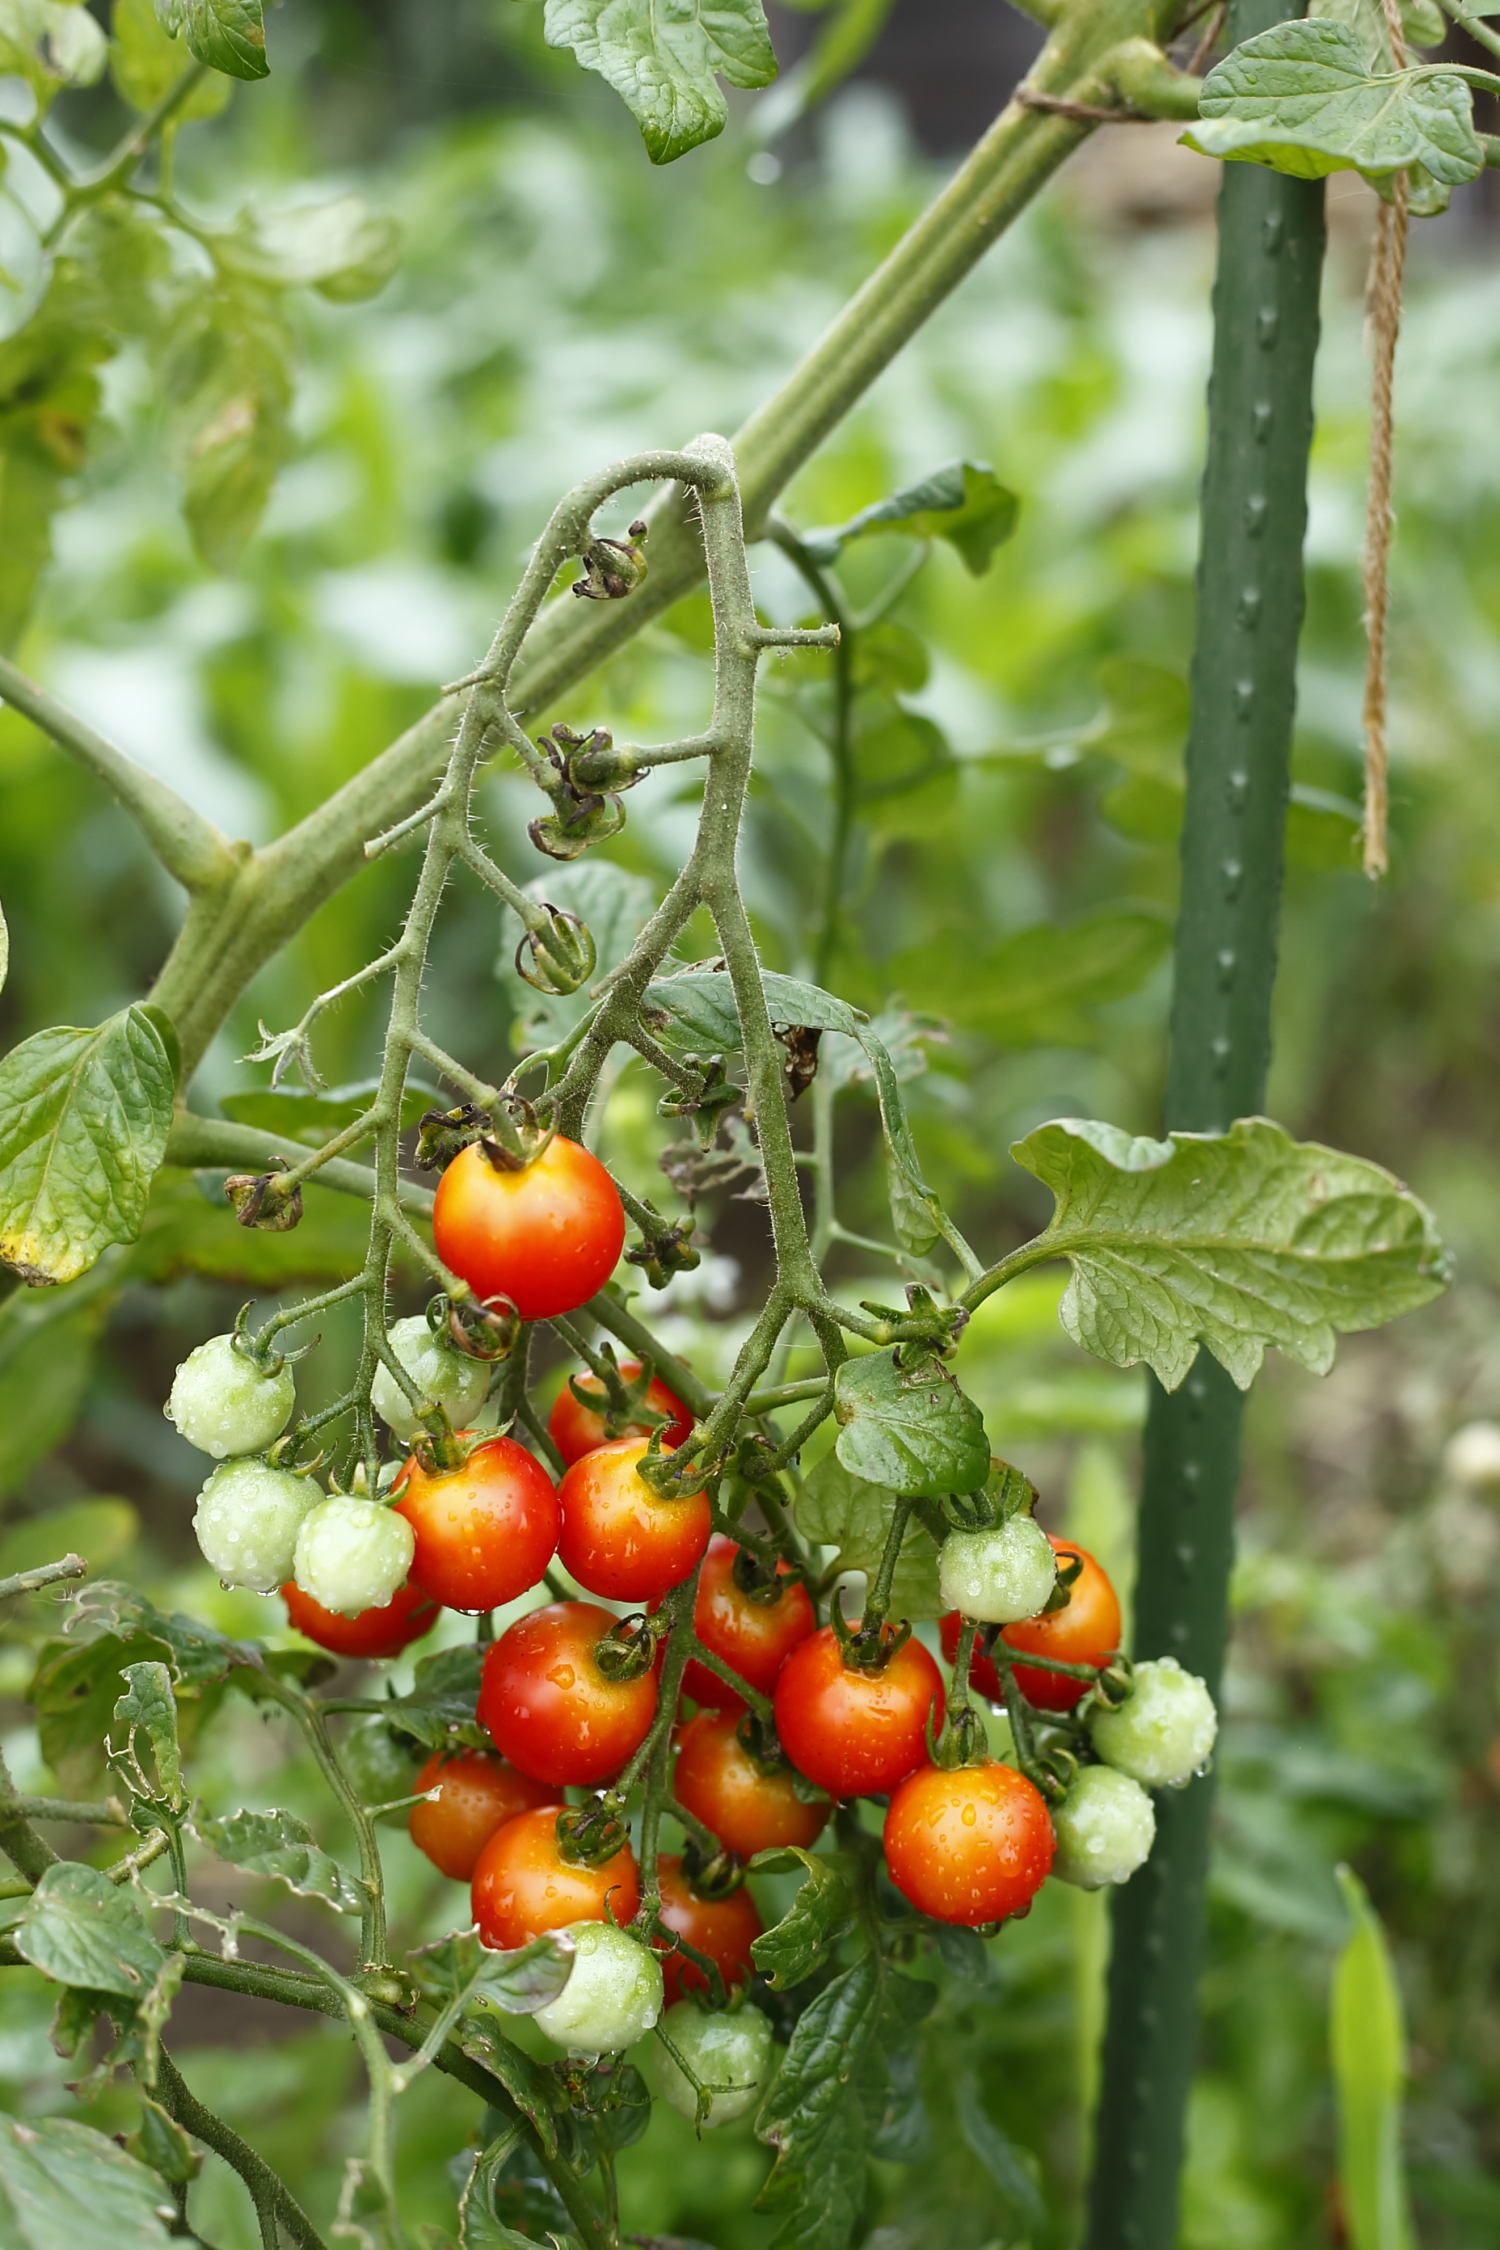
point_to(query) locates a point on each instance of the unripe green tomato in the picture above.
(248, 1519)
(1105, 1828)
(731, 2053)
(612, 1997)
(227, 1405)
(1001, 1575)
(445, 1378)
(1164, 1730)
(353, 1554)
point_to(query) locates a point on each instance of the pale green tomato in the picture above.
(445, 1378)
(353, 1554)
(225, 1404)
(248, 1520)
(731, 2053)
(1164, 1730)
(612, 1997)
(1105, 1828)
(1001, 1575)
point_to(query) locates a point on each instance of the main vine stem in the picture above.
(1250, 603)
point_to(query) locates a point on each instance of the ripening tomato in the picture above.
(409, 1614)
(856, 1734)
(549, 1708)
(485, 1532)
(548, 1236)
(618, 1537)
(748, 1809)
(754, 1636)
(576, 1430)
(480, 1792)
(1085, 1632)
(969, 1846)
(723, 1928)
(524, 1886)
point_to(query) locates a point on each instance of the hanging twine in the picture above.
(1383, 325)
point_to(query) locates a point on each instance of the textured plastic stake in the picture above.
(1250, 603)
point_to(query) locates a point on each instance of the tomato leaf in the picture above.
(148, 1703)
(84, 1117)
(312, 1116)
(837, 1508)
(344, 250)
(999, 2155)
(47, 1339)
(145, 63)
(279, 1844)
(50, 45)
(530, 2085)
(227, 380)
(62, 2185)
(190, 1228)
(821, 1913)
(1237, 1240)
(228, 35)
(80, 1929)
(438, 1712)
(665, 62)
(518, 1983)
(909, 1428)
(964, 502)
(1304, 98)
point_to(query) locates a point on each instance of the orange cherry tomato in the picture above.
(969, 1846)
(618, 1537)
(523, 1886)
(547, 1706)
(576, 1430)
(547, 1236)
(755, 1637)
(748, 1809)
(480, 1792)
(410, 1612)
(485, 1532)
(1085, 1632)
(856, 1734)
(723, 1928)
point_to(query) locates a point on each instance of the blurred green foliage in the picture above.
(1013, 878)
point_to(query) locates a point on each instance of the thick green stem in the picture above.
(1244, 670)
(275, 2205)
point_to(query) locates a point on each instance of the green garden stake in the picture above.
(1250, 601)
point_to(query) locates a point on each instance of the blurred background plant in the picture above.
(1017, 752)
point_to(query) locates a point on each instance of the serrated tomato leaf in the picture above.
(838, 1509)
(438, 1712)
(79, 1929)
(821, 1913)
(517, 1982)
(964, 502)
(908, 1427)
(228, 35)
(84, 1117)
(1236, 1240)
(63, 2185)
(665, 61)
(280, 1845)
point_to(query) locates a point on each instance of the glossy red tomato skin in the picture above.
(1085, 1632)
(486, 1532)
(618, 1537)
(723, 1928)
(969, 1846)
(480, 1792)
(549, 1709)
(524, 1887)
(756, 1638)
(410, 1612)
(856, 1734)
(548, 1237)
(749, 1811)
(575, 1430)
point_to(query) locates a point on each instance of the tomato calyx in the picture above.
(629, 1648)
(590, 1836)
(264, 1200)
(870, 1645)
(441, 1450)
(624, 1399)
(486, 1330)
(1113, 1684)
(559, 955)
(516, 1136)
(962, 1742)
(443, 1134)
(681, 1475)
(660, 1255)
(924, 1329)
(711, 1875)
(1069, 1571)
(760, 1580)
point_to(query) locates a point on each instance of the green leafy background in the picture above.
(1018, 748)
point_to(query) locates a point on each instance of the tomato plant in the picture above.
(818, 1442)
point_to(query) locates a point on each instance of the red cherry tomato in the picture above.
(856, 1734)
(480, 1792)
(618, 1537)
(1085, 1632)
(723, 1928)
(485, 1532)
(547, 1706)
(756, 1637)
(410, 1612)
(576, 1430)
(969, 1846)
(523, 1885)
(748, 1809)
(547, 1236)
